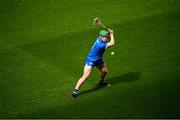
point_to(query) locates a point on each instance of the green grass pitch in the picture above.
(43, 45)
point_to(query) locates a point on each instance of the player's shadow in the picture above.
(127, 77)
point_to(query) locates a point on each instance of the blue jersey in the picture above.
(97, 50)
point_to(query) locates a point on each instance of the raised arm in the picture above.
(112, 41)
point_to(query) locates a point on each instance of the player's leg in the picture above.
(86, 73)
(103, 72)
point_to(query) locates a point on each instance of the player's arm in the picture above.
(112, 42)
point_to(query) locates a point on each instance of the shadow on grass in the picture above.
(127, 77)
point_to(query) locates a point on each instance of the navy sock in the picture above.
(75, 91)
(101, 80)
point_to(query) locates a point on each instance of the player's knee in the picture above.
(104, 71)
(85, 76)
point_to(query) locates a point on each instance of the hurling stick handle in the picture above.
(103, 26)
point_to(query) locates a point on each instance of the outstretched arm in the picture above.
(112, 42)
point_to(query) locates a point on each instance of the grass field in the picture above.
(43, 45)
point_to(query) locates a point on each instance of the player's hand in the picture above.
(110, 31)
